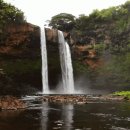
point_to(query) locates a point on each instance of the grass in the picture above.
(123, 93)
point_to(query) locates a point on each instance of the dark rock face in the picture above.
(54, 69)
(51, 35)
(20, 40)
(20, 61)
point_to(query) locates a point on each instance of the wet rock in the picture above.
(82, 99)
(52, 35)
(111, 98)
(65, 99)
(126, 98)
(11, 103)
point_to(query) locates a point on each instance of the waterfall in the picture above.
(44, 62)
(66, 64)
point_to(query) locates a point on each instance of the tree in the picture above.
(81, 22)
(10, 14)
(63, 22)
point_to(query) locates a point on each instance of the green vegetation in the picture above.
(20, 66)
(79, 67)
(63, 21)
(115, 71)
(99, 48)
(10, 14)
(123, 93)
(109, 26)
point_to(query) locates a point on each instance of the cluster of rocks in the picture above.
(11, 103)
(81, 99)
(74, 99)
(112, 97)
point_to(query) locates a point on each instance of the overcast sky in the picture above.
(38, 11)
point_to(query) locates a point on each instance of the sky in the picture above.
(38, 11)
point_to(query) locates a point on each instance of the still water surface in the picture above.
(50, 116)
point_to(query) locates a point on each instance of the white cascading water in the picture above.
(66, 64)
(44, 62)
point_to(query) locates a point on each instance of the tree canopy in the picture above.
(63, 21)
(10, 14)
(112, 24)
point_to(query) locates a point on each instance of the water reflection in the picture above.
(54, 116)
(44, 116)
(62, 117)
(67, 116)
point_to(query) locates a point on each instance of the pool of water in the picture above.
(52, 116)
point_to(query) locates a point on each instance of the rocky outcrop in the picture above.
(87, 56)
(85, 52)
(24, 40)
(52, 35)
(20, 41)
(20, 59)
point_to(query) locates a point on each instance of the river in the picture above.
(55, 116)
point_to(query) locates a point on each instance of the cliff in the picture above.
(20, 40)
(20, 59)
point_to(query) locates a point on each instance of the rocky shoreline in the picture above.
(82, 99)
(14, 103)
(11, 103)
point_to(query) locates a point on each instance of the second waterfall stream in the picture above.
(66, 65)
